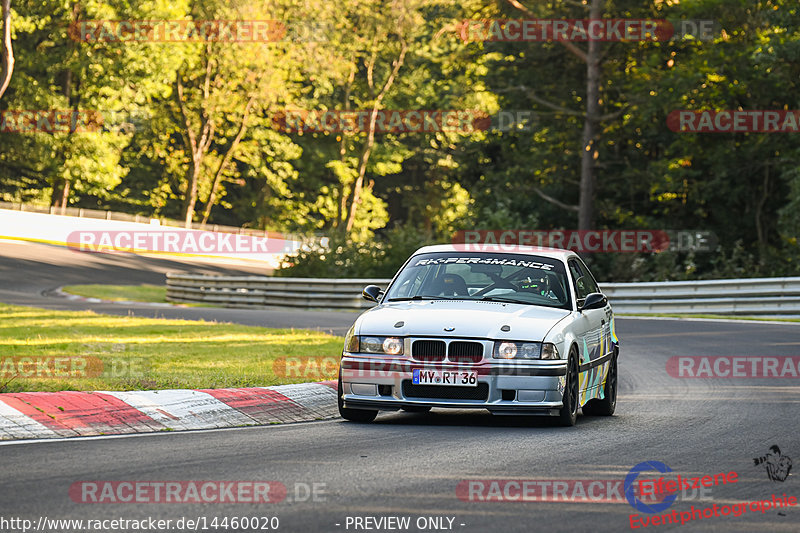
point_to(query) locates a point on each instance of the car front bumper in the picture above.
(503, 387)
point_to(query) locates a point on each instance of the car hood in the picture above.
(468, 319)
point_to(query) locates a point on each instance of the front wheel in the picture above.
(568, 414)
(608, 404)
(353, 415)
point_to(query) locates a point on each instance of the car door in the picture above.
(591, 328)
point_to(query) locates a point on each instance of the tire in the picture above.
(568, 414)
(353, 415)
(608, 404)
(416, 409)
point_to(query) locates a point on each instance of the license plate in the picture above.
(452, 378)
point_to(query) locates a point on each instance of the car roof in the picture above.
(553, 253)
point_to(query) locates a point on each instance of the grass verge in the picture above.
(44, 350)
(133, 293)
(127, 293)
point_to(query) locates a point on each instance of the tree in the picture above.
(7, 57)
(591, 117)
(221, 92)
(104, 79)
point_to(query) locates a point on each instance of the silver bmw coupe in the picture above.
(517, 330)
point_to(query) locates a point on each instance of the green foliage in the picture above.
(339, 257)
(419, 188)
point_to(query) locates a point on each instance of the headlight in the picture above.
(524, 350)
(505, 350)
(393, 346)
(549, 351)
(383, 345)
(351, 342)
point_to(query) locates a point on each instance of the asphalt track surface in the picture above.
(409, 465)
(27, 271)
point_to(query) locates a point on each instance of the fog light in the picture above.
(364, 389)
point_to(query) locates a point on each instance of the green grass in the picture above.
(133, 353)
(128, 293)
(133, 293)
(725, 317)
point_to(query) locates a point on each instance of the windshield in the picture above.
(515, 278)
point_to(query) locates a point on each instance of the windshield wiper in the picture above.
(417, 297)
(504, 300)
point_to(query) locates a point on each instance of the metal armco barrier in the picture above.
(264, 291)
(754, 296)
(757, 296)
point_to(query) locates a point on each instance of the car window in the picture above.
(584, 282)
(524, 279)
(591, 283)
(410, 285)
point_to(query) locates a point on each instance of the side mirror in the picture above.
(372, 293)
(594, 300)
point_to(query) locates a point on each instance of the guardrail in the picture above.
(264, 291)
(755, 296)
(758, 296)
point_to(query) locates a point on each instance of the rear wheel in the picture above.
(606, 406)
(568, 413)
(353, 415)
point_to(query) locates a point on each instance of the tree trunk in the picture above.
(592, 119)
(589, 152)
(190, 198)
(65, 196)
(341, 206)
(212, 197)
(761, 233)
(60, 196)
(7, 57)
(197, 147)
(355, 193)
